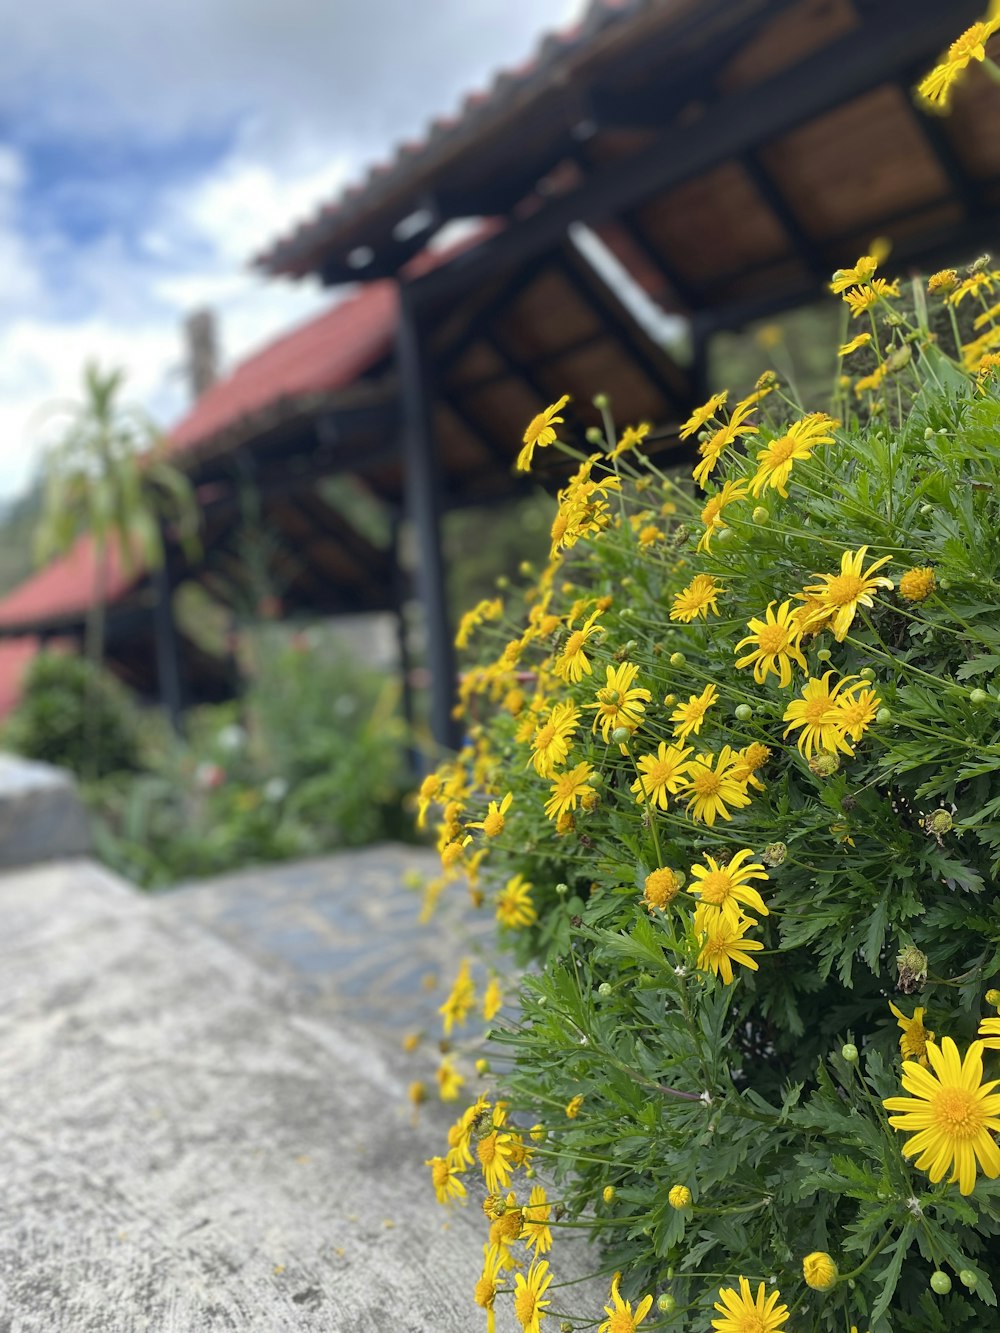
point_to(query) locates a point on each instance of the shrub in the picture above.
(76, 716)
(733, 767)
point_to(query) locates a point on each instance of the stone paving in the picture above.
(202, 1123)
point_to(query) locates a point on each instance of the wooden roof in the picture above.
(736, 150)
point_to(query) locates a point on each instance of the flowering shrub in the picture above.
(733, 765)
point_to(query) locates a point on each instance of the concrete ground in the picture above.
(203, 1113)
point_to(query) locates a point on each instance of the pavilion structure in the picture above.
(728, 153)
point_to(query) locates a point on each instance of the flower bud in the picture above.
(418, 1093)
(667, 1303)
(938, 822)
(744, 712)
(482, 1067)
(678, 660)
(849, 1052)
(968, 1279)
(602, 402)
(774, 853)
(820, 1271)
(867, 673)
(993, 997)
(679, 1197)
(940, 1282)
(608, 1193)
(760, 514)
(669, 700)
(604, 989)
(883, 717)
(824, 654)
(621, 735)
(911, 966)
(594, 435)
(824, 765)
(978, 698)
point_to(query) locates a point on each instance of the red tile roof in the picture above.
(320, 356)
(64, 589)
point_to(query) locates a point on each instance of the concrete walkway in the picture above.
(202, 1126)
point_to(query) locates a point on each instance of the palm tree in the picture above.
(105, 474)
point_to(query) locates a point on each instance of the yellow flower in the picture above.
(492, 1000)
(989, 1030)
(944, 281)
(983, 280)
(749, 759)
(856, 710)
(869, 383)
(620, 703)
(819, 1271)
(711, 514)
(725, 890)
(490, 609)
(774, 463)
(697, 599)
(722, 943)
(573, 1106)
(913, 1042)
(568, 788)
(552, 741)
(816, 713)
(430, 789)
(713, 789)
(537, 1233)
(710, 450)
(702, 414)
(529, 1307)
(460, 1133)
(776, 641)
(540, 432)
(853, 277)
(660, 775)
(488, 1284)
(950, 1114)
(917, 584)
(492, 824)
(863, 298)
(620, 1317)
(935, 88)
(679, 1197)
(741, 1313)
(862, 340)
(633, 436)
(662, 887)
(572, 664)
(450, 1081)
(691, 715)
(514, 905)
(840, 595)
(461, 1001)
(446, 1179)
(495, 1152)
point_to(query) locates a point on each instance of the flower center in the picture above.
(493, 824)
(751, 1323)
(773, 639)
(441, 1173)
(660, 773)
(711, 511)
(621, 1322)
(781, 450)
(706, 783)
(559, 525)
(486, 1149)
(574, 643)
(957, 1113)
(816, 711)
(486, 1292)
(524, 1306)
(845, 588)
(716, 887)
(963, 47)
(545, 737)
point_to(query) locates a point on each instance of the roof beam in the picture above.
(802, 243)
(965, 190)
(899, 33)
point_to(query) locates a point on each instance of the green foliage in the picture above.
(880, 860)
(65, 703)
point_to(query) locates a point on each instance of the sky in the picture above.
(148, 151)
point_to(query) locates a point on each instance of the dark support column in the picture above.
(399, 589)
(425, 505)
(168, 666)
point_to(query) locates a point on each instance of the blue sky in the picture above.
(146, 152)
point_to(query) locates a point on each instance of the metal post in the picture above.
(168, 667)
(399, 589)
(425, 506)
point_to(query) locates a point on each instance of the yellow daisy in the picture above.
(950, 1114)
(660, 775)
(853, 277)
(537, 1234)
(702, 414)
(540, 432)
(572, 664)
(662, 887)
(699, 597)
(620, 1316)
(492, 1000)
(632, 437)
(553, 740)
(726, 890)
(840, 595)
(711, 450)
(712, 786)
(722, 942)
(569, 788)
(446, 1179)
(868, 294)
(862, 340)
(529, 1307)
(913, 1042)
(489, 1283)
(935, 88)
(691, 715)
(514, 905)
(493, 821)
(776, 641)
(917, 584)
(461, 1001)
(774, 463)
(857, 708)
(816, 713)
(742, 1313)
(620, 703)
(711, 514)
(495, 1151)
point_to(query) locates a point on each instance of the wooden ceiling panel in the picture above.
(476, 361)
(973, 127)
(718, 221)
(545, 317)
(607, 368)
(865, 161)
(788, 39)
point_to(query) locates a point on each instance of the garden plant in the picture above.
(731, 786)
